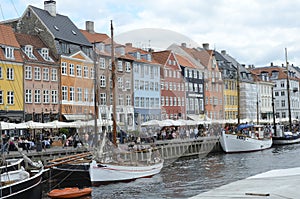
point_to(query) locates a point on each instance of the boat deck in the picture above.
(283, 183)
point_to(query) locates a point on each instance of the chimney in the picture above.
(128, 44)
(271, 63)
(50, 6)
(89, 26)
(183, 45)
(206, 46)
(223, 52)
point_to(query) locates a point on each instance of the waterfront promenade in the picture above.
(169, 149)
(281, 183)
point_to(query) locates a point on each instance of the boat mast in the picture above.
(238, 94)
(95, 97)
(273, 109)
(288, 90)
(114, 79)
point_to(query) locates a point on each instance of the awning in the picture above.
(194, 117)
(74, 117)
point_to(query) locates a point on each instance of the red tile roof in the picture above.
(7, 36)
(96, 37)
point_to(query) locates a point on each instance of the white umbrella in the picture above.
(7, 125)
(151, 123)
(37, 125)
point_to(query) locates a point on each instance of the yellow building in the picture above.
(11, 77)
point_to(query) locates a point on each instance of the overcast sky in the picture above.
(252, 31)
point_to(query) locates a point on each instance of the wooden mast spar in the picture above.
(114, 79)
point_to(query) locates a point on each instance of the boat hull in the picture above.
(72, 192)
(12, 165)
(68, 174)
(286, 140)
(107, 173)
(28, 188)
(233, 143)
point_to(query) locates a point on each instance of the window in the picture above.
(162, 100)
(10, 97)
(28, 50)
(276, 93)
(92, 73)
(120, 66)
(28, 72)
(282, 103)
(86, 94)
(71, 70)
(37, 73)
(53, 74)
(121, 100)
(64, 68)
(282, 84)
(127, 67)
(9, 53)
(85, 72)
(120, 82)
(10, 74)
(54, 98)
(64, 93)
(37, 96)
(102, 98)
(72, 94)
(127, 84)
(46, 96)
(79, 94)
(79, 71)
(136, 85)
(28, 96)
(1, 97)
(128, 100)
(46, 74)
(102, 63)
(45, 54)
(102, 81)
(1, 73)
(282, 93)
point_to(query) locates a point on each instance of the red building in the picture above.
(173, 100)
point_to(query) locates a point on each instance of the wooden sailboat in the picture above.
(110, 164)
(281, 136)
(248, 137)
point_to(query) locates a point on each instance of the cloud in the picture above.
(253, 31)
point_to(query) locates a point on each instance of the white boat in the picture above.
(112, 164)
(255, 140)
(106, 173)
(287, 138)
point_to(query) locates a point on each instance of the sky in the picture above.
(252, 31)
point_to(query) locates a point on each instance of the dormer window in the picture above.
(45, 54)
(9, 53)
(28, 50)
(138, 55)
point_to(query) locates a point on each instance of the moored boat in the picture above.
(287, 138)
(102, 173)
(255, 139)
(11, 165)
(21, 184)
(69, 192)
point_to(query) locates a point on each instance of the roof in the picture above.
(269, 69)
(7, 36)
(183, 61)
(96, 37)
(36, 42)
(61, 27)
(162, 56)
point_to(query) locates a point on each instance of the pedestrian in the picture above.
(63, 140)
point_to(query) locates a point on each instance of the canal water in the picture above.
(187, 177)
